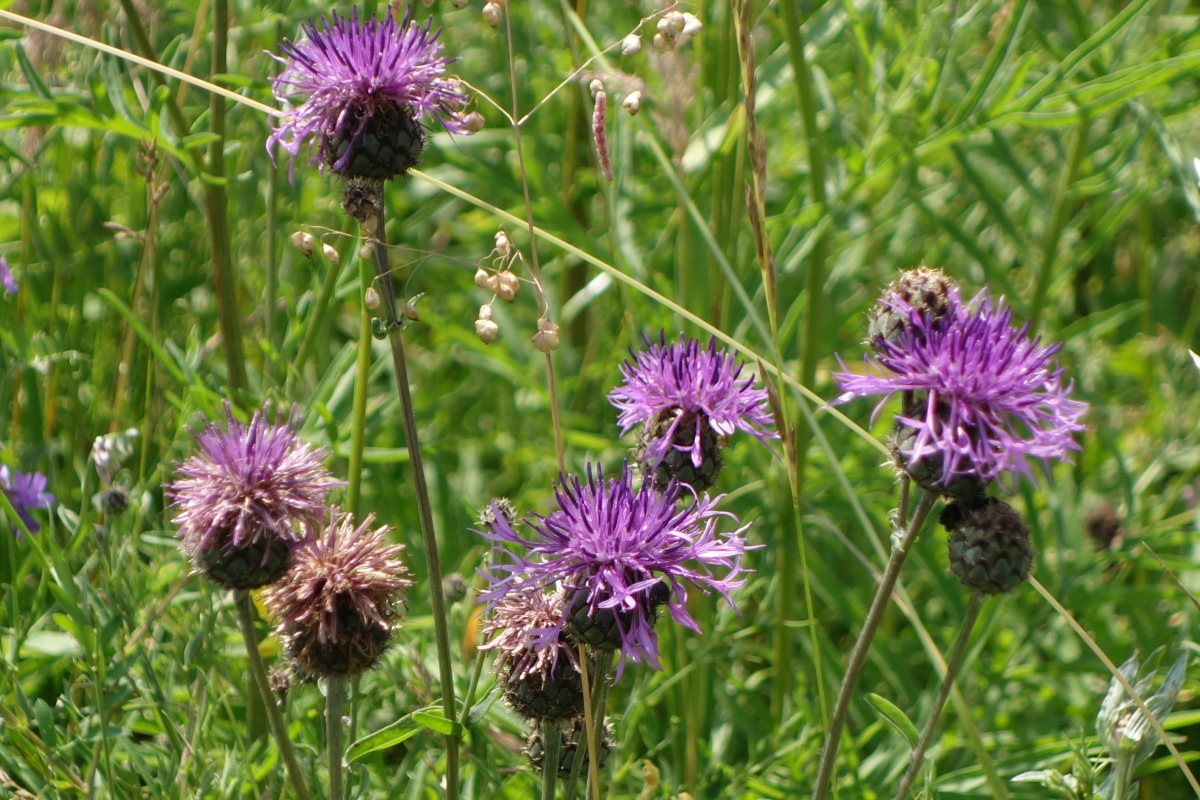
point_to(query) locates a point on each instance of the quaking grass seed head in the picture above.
(245, 497)
(341, 601)
(990, 548)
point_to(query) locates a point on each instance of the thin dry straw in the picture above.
(1121, 679)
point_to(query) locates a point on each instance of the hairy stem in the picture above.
(245, 612)
(960, 649)
(551, 750)
(902, 542)
(335, 698)
(433, 564)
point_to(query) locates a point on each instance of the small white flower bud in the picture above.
(304, 242)
(633, 103)
(546, 339)
(691, 25)
(473, 122)
(631, 45)
(595, 87)
(481, 278)
(331, 255)
(371, 299)
(503, 245)
(663, 44)
(491, 15)
(506, 286)
(365, 251)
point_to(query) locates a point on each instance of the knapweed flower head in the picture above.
(339, 603)
(617, 551)
(26, 492)
(538, 683)
(982, 397)
(689, 399)
(364, 87)
(247, 495)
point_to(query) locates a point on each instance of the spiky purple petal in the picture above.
(681, 375)
(995, 398)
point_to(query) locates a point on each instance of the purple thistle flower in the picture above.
(611, 545)
(993, 397)
(249, 480)
(337, 607)
(25, 492)
(679, 390)
(6, 277)
(349, 73)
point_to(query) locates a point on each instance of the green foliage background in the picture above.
(1040, 150)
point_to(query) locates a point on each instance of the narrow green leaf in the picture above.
(404, 728)
(36, 83)
(143, 334)
(45, 721)
(480, 709)
(435, 721)
(893, 716)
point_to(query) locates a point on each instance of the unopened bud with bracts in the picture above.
(572, 736)
(112, 502)
(485, 328)
(500, 508)
(454, 587)
(925, 290)
(337, 610)
(304, 242)
(928, 470)
(546, 339)
(474, 122)
(601, 627)
(492, 13)
(631, 45)
(280, 682)
(330, 253)
(990, 548)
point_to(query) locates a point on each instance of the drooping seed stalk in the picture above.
(595, 698)
(258, 672)
(335, 698)
(551, 750)
(960, 649)
(433, 565)
(902, 542)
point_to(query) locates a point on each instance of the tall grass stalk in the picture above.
(902, 542)
(433, 564)
(917, 759)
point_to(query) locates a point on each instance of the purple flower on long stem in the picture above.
(350, 75)
(249, 480)
(7, 281)
(684, 393)
(985, 396)
(26, 492)
(613, 544)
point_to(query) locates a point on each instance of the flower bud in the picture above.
(546, 339)
(304, 242)
(366, 250)
(633, 103)
(663, 44)
(691, 25)
(331, 255)
(631, 45)
(371, 299)
(503, 245)
(473, 122)
(505, 285)
(482, 278)
(491, 15)
(486, 330)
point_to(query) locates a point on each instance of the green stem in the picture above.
(1058, 214)
(362, 380)
(335, 699)
(224, 276)
(317, 320)
(258, 672)
(597, 698)
(901, 544)
(551, 749)
(433, 564)
(956, 658)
